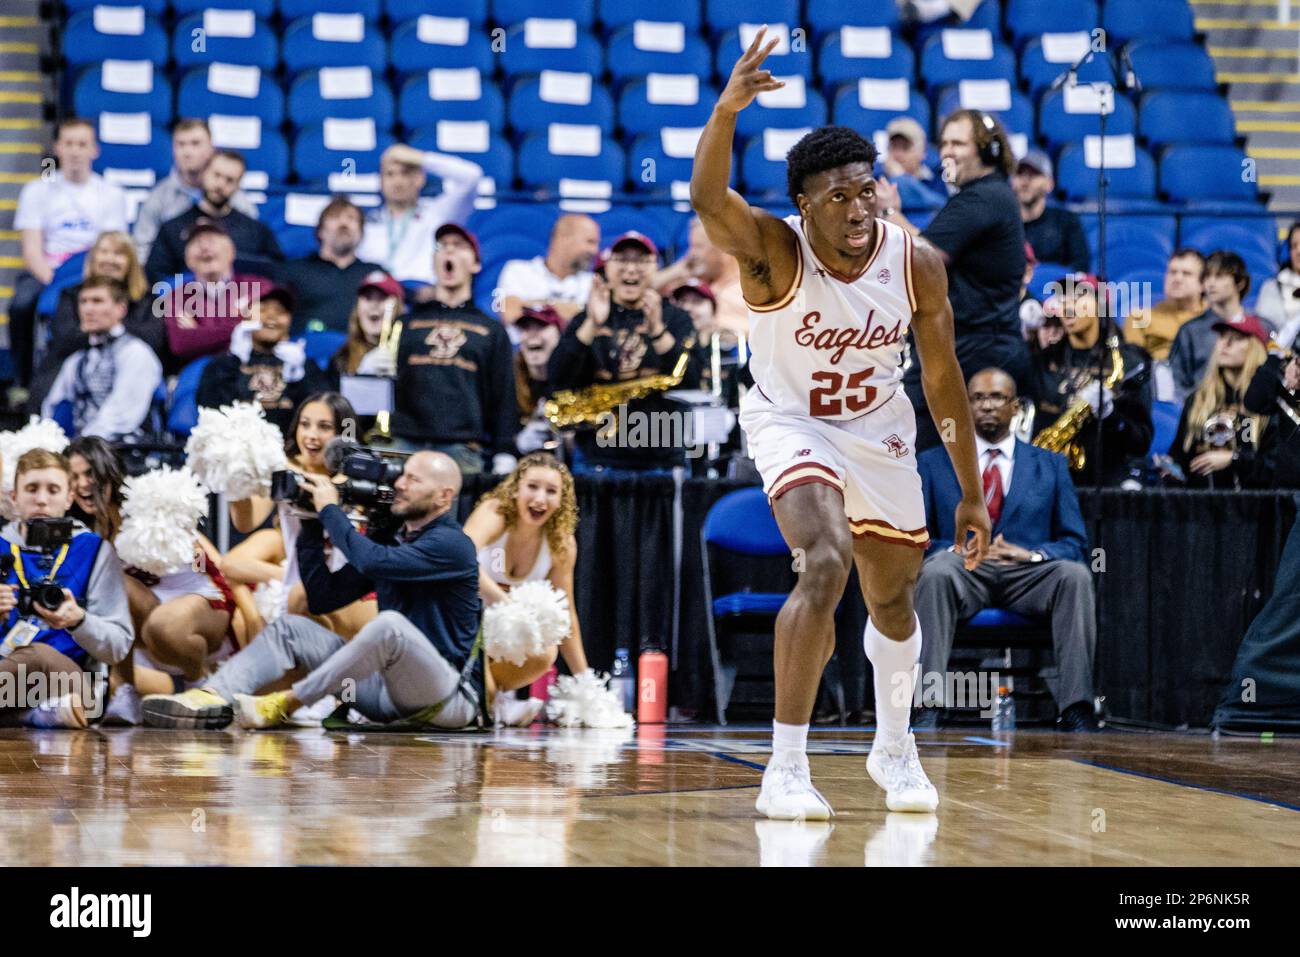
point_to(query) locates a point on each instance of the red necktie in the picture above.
(993, 487)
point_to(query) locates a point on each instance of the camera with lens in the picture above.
(46, 535)
(369, 477)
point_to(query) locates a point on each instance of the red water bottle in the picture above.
(652, 687)
(541, 687)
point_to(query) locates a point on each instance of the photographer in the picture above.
(416, 658)
(91, 623)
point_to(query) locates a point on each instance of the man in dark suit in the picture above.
(1036, 565)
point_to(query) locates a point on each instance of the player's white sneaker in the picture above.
(787, 793)
(899, 773)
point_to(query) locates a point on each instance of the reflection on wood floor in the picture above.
(654, 796)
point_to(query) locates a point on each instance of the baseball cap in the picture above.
(632, 236)
(204, 225)
(697, 286)
(907, 128)
(460, 230)
(1246, 324)
(378, 279)
(1038, 161)
(282, 294)
(543, 314)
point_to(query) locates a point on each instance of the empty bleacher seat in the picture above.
(1130, 170)
(450, 94)
(109, 33)
(665, 100)
(475, 11)
(1154, 233)
(261, 144)
(1184, 116)
(996, 97)
(1250, 238)
(474, 140)
(1168, 20)
(1044, 59)
(660, 162)
(655, 46)
(1071, 113)
(782, 61)
(1031, 18)
(619, 219)
(232, 91)
(851, 52)
(229, 36)
(348, 92)
(294, 9)
(132, 142)
(570, 152)
(260, 8)
(124, 86)
(526, 219)
(333, 39)
(154, 8)
(557, 96)
(870, 104)
(793, 106)
(541, 43)
(722, 16)
(1161, 65)
(1205, 172)
(617, 14)
(339, 146)
(442, 42)
(509, 12)
(762, 163)
(829, 16)
(954, 55)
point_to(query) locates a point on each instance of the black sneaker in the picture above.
(196, 708)
(1077, 719)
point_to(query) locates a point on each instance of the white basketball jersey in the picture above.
(833, 346)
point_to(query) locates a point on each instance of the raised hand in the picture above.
(748, 79)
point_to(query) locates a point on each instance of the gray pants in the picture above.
(947, 593)
(390, 670)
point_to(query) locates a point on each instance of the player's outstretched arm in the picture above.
(945, 393)
(757, 239)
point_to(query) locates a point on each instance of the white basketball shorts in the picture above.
(870, 460)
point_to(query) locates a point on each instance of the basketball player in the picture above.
(831, 294)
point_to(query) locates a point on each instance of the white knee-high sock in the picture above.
(894, 664)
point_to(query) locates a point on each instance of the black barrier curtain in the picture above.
(1181, 575)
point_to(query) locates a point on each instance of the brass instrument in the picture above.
(1063, 434)
(390, 338)
(578, 407)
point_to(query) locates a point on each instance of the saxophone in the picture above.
(579, 407)
(1063, 434)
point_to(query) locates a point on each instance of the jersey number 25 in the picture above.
(825, 401)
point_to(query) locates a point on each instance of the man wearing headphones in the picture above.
(981, 238)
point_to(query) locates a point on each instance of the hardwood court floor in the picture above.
(682, 795)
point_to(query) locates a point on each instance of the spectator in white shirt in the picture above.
(399, 234)
(191, 150)
(561, 279)
(59, 214)
(111, 383)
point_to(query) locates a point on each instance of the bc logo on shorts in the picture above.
(895, 445)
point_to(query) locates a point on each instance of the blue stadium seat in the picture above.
(154, 8)
(1078, 181)
(1155, 233)
(579, 52)
(1163, 118)
(67, 273)
(1161, 66)
(183, 412)
(196, 98)
(1164, 416)
(1017, 117)
(416, 49)
(509, 12)
(537, 102)
(1043, 276)
(539, 167)
(1251, 242)
(303, 50)
(313, 161)
(619, 219)
(780, 64)
(261, 8)
(784, 109)
(416, 106)
(156, 154)
(1057, 126)
(762, 161)
(634, 53)
(322, 345)
(1167, 20)
(669, 167)
(836, 67)
(270, 157)
(679, 101)
(496, 157)
(617, 14)
(1194, 172)
(1040, 73)
(939, 69)
(128, 94)
(309, 105)
(261, 49)
(828, 16)
(293, 9)
(848, 107)
(506, 219)
(1031, 18)
(475, 11)
(134, 37)
(1194, 229)
(722, 16)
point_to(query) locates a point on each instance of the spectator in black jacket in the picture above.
(540, 328)
(1227, 281)
(263, 366)
(1275, 390)
(1067, 372)
(626, 332)
(252, 239)
(455, 384)
(1055, 233)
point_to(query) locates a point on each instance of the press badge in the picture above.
(20, 635)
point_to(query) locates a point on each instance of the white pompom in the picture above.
(38, 433)
(271, 599)
(160, 520)
(585, 699)
(233, 450)
(533, 618)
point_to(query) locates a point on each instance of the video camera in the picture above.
(370, 475)
(48, 535)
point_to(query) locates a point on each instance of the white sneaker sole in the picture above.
(813, 811)
(914, 802)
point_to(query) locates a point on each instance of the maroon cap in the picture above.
(698, 286)
(632, 236)
(1247, 325)
(460, 231)
(543, 314)
(282, 294)
(378, 279)
(205, 225)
